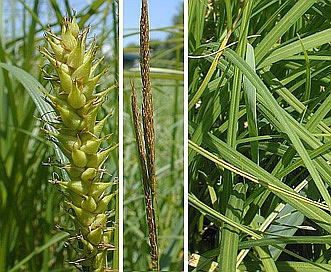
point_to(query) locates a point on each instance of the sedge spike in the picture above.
(77, 132)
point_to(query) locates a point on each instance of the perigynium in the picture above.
(78, 134)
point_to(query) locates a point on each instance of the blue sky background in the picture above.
(161, 14)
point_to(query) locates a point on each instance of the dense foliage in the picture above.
(259, 126)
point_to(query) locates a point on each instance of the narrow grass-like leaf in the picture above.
(195, 27)
(297, 105)
(54, 239)
(296, 218)
(274, 188)
(228, 196)
(276, 85)
(31, 12)
(33, 87)
(266, 259)
(313, 154)
(299, 8)
(314, 40)
(279, 114)
(204, 209)
(287, 266)
(230, 235)
(254, 172)
(286, 240)
(307, 92)
(316, 118)
(211, 71)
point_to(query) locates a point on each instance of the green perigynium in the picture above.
(78, 135)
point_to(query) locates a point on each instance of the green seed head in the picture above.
(77, 105)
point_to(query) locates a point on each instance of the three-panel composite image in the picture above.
(179, 135)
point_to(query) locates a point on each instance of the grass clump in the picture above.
(259, 117)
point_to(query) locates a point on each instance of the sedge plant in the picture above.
(259, 145)
(78, 134)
